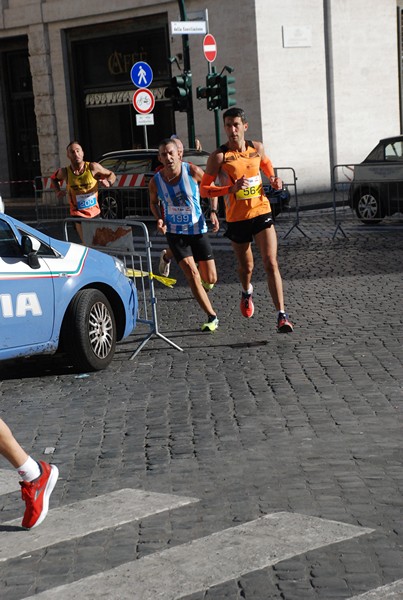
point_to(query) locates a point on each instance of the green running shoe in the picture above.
(211, 324)
(207, 286)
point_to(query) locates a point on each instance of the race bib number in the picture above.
(86, 201)
(179, 214)
(254, 189)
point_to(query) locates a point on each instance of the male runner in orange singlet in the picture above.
(237, 164)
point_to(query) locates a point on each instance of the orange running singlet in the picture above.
(83, 193)
(250, 202)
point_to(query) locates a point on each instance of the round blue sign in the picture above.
(141, 74)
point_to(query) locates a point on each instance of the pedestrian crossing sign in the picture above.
(141, 74)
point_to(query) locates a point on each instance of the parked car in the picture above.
(60, 296)
(377, 188)
(119, 202)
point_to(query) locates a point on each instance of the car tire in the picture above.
(110, 204)
(90, 330)
(368, 207)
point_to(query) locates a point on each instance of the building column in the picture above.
(42, 82)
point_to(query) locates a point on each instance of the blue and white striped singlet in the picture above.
(181, 202)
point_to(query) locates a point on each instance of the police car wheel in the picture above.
(90, 330)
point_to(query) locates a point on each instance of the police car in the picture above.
(56, 295)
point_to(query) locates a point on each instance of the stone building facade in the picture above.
(319, 79)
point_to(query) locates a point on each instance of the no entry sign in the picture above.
(210, 47)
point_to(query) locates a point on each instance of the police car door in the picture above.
(26, 295)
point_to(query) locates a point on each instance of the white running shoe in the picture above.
(164, 266)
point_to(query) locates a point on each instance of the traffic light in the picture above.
(226, 91)
(180, 90)
(218, 91)
(213, 91)
(201, 92)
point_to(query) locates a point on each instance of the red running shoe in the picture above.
(36, 495)
(247, 307)
(284, 325)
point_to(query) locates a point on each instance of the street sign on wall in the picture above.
(188, 27)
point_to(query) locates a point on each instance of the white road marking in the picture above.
(209, 561)
(81, 518)
(392, 591)
(8, 481)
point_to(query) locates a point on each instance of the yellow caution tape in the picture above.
(168, 281)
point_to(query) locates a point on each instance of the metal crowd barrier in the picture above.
(117, 239)
(17, 188)
(126, 198)
(287, 174)
(342, 177)
(48, 206)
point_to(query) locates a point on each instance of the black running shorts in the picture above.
(197, 246)
(242, 232)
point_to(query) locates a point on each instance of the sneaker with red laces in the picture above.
(284, 325)
(36, 495)
(247, 307)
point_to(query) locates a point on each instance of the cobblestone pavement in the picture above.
(247, 421)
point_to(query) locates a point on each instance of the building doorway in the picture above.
(19, 122)
(100, 62)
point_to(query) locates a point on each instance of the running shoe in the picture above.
(207, 286)
(36, 495)
(164, 266)
(284, 325)
(211, 324)
(247, 307)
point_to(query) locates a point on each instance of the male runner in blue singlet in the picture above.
(176, 187)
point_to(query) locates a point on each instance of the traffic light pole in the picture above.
(217, 127)
(212, 70)
(186, 65)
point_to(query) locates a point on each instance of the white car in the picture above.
(377, 188)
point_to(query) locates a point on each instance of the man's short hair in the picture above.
(235, 112)
(167, 141)
(73, 142)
